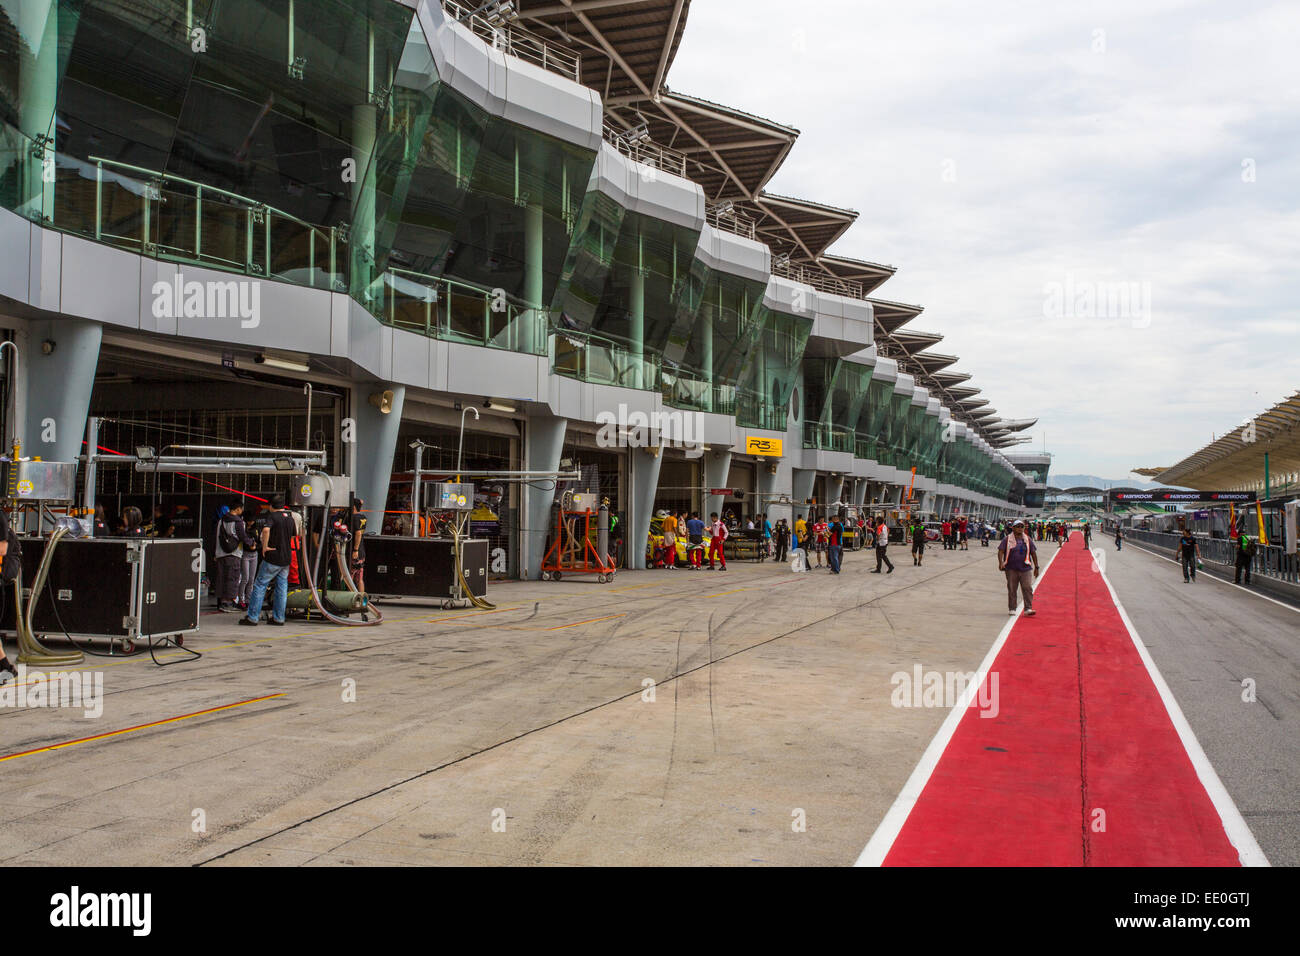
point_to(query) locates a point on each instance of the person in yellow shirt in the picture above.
(800, 533)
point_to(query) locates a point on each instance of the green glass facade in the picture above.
(837, 391)
(308, 142)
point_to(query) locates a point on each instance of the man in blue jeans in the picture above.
(277, 550)
(835, 546)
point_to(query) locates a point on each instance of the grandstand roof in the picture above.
(1237, 459)
(626, 49)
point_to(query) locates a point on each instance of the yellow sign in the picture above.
(767, 447)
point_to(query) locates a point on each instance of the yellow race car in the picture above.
(655, 545)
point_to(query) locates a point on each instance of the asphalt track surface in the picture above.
(773, 700)
(1208, 638)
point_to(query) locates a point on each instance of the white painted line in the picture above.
(1157, 554)
(1239, 834)
(882, 841)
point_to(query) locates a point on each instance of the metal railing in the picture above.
(727, 217)
(1270, 560)
(456, 311)
(637, 146)
(504, 35)
(828, 437)
(821, 281)
(170, 217)
(591, 357)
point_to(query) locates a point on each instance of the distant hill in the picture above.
(1092, 481)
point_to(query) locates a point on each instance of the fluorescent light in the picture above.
(285, 364)
(499, 405)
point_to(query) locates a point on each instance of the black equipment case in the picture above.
(125, 589)
(424, 567)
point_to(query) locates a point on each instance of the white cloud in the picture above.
(1124, 165)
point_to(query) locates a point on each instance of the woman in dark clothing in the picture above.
(132, 519)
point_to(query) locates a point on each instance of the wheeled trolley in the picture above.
(126, 590)
(573, 551)
(425, 567)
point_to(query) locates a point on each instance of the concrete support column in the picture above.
(803, 481)
(361, 235)
(860, 489)
(38, 87)
(543, 447)
(834, 489)
(372, 451)
(643, 470)
(636, 331)
(705, 324)
(765, 485)
(54, 389)
(534, 278)
(717, 468)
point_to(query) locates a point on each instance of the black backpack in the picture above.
(228, 540)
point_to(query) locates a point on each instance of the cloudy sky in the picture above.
(1024, 164)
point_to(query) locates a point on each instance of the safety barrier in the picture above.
(1270, 560)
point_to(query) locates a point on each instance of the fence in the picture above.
(1270, 560)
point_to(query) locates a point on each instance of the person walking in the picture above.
(1189, 555)
(767, 539)
(963, 529)
(800, 534)
(946, 530)
(1119, 538)
(1087, 535)
(277, 547)
(882, 544)
(1015, 555)
(918, 542)
(1245, 557)
(717, 535)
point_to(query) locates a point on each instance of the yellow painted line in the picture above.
(461, 617)
(591, 621)
(634, 587)
(127, 730)
(720, 593)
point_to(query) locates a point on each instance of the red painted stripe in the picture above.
(1080, 728)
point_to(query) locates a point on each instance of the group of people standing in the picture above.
(261, 554)
(699, 539)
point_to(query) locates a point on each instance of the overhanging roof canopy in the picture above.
(627, 46)
(796, 227)
(1237, 458)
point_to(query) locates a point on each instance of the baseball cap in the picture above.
(1017, 523)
